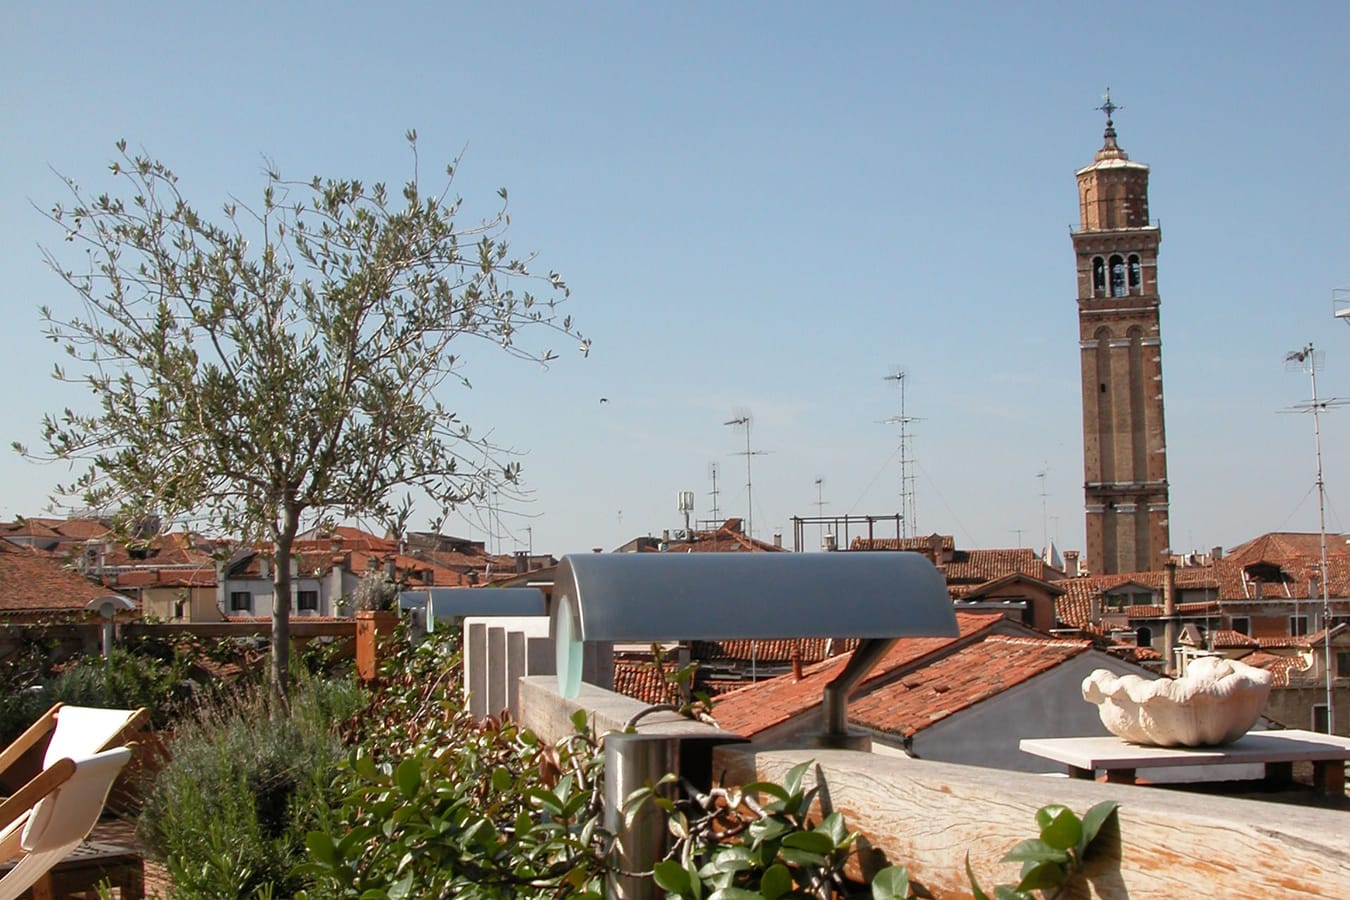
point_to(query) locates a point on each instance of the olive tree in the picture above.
(291, 358)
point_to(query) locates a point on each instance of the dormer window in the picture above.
(1118, 284)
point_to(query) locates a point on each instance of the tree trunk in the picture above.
(281, 604)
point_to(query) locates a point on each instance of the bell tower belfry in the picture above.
(1124, 447)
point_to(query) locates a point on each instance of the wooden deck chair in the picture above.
(76, 732)
(50, 815)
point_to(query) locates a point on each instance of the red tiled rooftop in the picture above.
(32, 582)
(757, 707)
(969, 675)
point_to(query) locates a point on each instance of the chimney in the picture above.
(1095, 608)
(1071, 563)
(1216, 554)
(778, 539)
(796, 662)
(264, 567)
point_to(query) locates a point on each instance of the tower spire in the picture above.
(1110, 149)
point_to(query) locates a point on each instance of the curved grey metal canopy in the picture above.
(878, 596)
(666, 596)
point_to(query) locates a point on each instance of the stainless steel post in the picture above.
(633, 761)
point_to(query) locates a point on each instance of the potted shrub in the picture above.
(376, 602)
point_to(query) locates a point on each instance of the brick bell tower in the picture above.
(1124, 448)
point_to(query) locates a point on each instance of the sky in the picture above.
(768, 208)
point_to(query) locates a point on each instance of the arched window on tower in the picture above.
(1117, 276)
(1098, 277)
(1136, 275)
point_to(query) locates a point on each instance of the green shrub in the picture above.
(227, 816)
(124, 681)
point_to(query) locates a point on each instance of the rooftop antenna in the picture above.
(820, 507)
(712, 473)
(684, 501)
(741, 417)
(1045, 519)
(908, 523)
(1306, 359)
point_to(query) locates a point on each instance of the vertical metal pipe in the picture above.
(633, 761)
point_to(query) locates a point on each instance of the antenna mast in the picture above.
(712, 473)
(742, 418)
(1307, 359)
(908, 522)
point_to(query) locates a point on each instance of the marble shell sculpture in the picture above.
(1214, 703)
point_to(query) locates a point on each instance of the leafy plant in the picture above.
(1054, 861)
(436, 804)
(228, 814)
(727, 845)
(284, 360)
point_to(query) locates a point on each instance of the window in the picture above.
(1319, 718)
(1143, 637)
(1298, 626)
(241, 601)
(1117, 276)
(1136, 274)
(1242, 625)
(307, 600)
(1342, 664)
(1098, 277)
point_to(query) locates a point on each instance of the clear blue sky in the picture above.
(767, 206)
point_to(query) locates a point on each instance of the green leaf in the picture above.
(501, 779)
(579, 720)
(891, 883)
(734, 893)
(801, 857)
(766, 787)
(408, 776)
(1042, 876)
(1008, 892)
(1093, 820)
(775, 882)
(793, 780)
(1035, 850)
(321, 847)
(670, 876)
(1046, 814)
(811, 841)
(976, 892)
(1061, 828)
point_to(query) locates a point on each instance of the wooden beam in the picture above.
(929, 816)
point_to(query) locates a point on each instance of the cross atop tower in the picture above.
(1108, 107)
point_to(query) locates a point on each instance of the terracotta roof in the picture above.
(638, 678)
(1280, 546)
(1283, 667)
(157, 577)
(1227, 639)
(959, 680)
(812, 650)
(945, 542)
(32, 583)
(757, 707)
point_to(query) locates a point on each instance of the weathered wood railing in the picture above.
(929, 816)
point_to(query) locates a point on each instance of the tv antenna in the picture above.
(1045, 519)
(820, 506)
(1306, 359)
(741, 418)
(908, 523)
(712, 473)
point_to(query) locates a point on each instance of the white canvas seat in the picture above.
(50, 815)
(76, 732)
